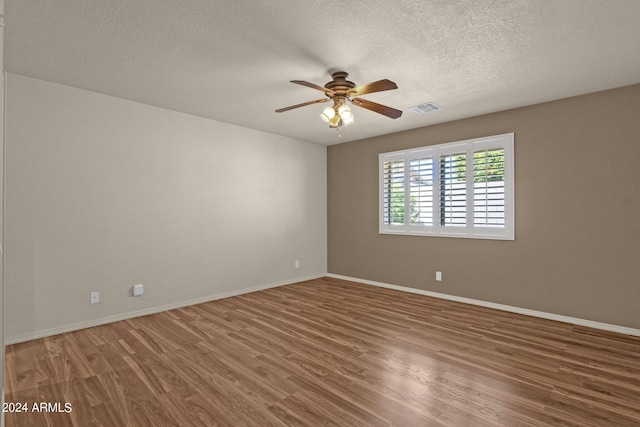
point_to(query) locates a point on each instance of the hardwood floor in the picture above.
(328, 352)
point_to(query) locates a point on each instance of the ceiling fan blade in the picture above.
(313, 86)
(378, 86)
(282, 110)
(378, 108)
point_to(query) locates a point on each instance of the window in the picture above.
(459, 189)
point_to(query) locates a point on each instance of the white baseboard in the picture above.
(550, 316)
(130, 315)
(110, 319)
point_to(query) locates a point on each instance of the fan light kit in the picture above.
(340, 90)
(336, 117)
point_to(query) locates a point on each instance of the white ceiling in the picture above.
(232, 60)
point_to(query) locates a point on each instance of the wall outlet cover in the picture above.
(138, 290)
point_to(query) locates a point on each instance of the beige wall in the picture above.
(103, 193)
(577, 188)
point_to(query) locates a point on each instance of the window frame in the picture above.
(469, 230)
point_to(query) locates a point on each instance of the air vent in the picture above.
(425, 108)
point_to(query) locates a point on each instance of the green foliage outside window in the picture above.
(397, 205)
(487, 166)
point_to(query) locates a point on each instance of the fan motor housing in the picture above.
(340, 83)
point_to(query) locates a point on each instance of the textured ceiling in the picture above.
(232, 60)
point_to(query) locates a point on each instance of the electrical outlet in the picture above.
(439, 276)
(296, 264)
(95, 297)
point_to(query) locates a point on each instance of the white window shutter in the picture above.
(458, 189)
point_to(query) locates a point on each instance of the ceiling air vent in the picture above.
(425, 108)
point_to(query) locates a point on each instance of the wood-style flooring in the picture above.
(328, 352)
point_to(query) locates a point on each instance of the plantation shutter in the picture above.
(453, 190)
(393, 192)
(457, 189)
(421, 191)
(488, 188)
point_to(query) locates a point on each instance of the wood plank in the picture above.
(329, 352)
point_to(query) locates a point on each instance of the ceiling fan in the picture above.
(340, 90)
